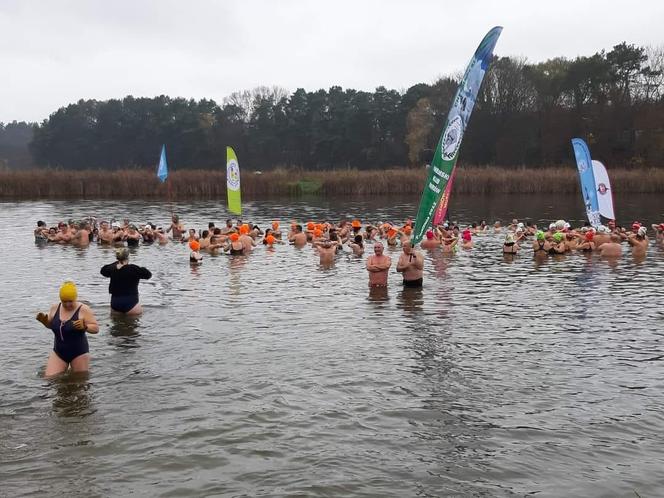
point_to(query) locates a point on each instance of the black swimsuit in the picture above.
(69, 343)
(541, 247)
(511, 246)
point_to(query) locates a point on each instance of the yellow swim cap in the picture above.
(68, 291)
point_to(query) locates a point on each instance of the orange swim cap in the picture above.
(244, 229)
(194, 245)
(391, 232)
(270, 239)
(407, 229)
(275, 225)
(234, 237)
(356, 224)
(311, 226)
(318, 232)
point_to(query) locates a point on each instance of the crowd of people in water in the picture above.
(70, 319)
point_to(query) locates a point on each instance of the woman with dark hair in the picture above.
(357, 245)
(123, 287)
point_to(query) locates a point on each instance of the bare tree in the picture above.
(651, 84)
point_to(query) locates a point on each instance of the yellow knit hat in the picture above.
(68, 291)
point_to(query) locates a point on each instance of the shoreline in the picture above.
(211, 184)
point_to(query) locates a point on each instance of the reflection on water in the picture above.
(378, 294)
(71, 396)
(268, 374)
(124, 330)
(410, 300)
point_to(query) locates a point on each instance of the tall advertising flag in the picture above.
(441, 210)
(588, 190)
(233, 182)
(447, 151)
(162, 170)
(603, 189)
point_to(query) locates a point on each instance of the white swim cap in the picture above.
(560, 224)
(642, 231)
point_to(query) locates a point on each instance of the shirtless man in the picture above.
(430, 242)
(204, 241)
(82, 237)
(105, 234)
(64, 236)
(573, 241)
(298, 238)
(602, 236)
(326, 250)
(176, 227)
(248, 243)
(411, 265)
(378, 266)
(639, 242)
(228, 228)
(344, 232)
(611, 249)
(218, 241)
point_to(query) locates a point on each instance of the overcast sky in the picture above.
(54, 52)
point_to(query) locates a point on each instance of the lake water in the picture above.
(271, 376)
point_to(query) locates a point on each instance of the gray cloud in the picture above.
(54, 53)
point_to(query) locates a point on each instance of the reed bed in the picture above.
(204, 184)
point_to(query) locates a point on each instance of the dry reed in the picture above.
(203, 184)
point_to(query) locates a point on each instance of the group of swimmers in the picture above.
(70, 319)
(558, 238)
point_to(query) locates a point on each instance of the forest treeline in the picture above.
(525, 115)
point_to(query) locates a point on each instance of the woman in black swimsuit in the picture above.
(123, 286)
(541, 246)
(235, 246)
(69, 320)
(510, 246)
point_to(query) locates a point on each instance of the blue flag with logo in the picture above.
(162, 170)
(585, 166)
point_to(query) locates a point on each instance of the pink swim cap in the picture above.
(429, 234)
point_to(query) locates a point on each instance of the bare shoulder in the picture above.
(51, 311)
(86, 309)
